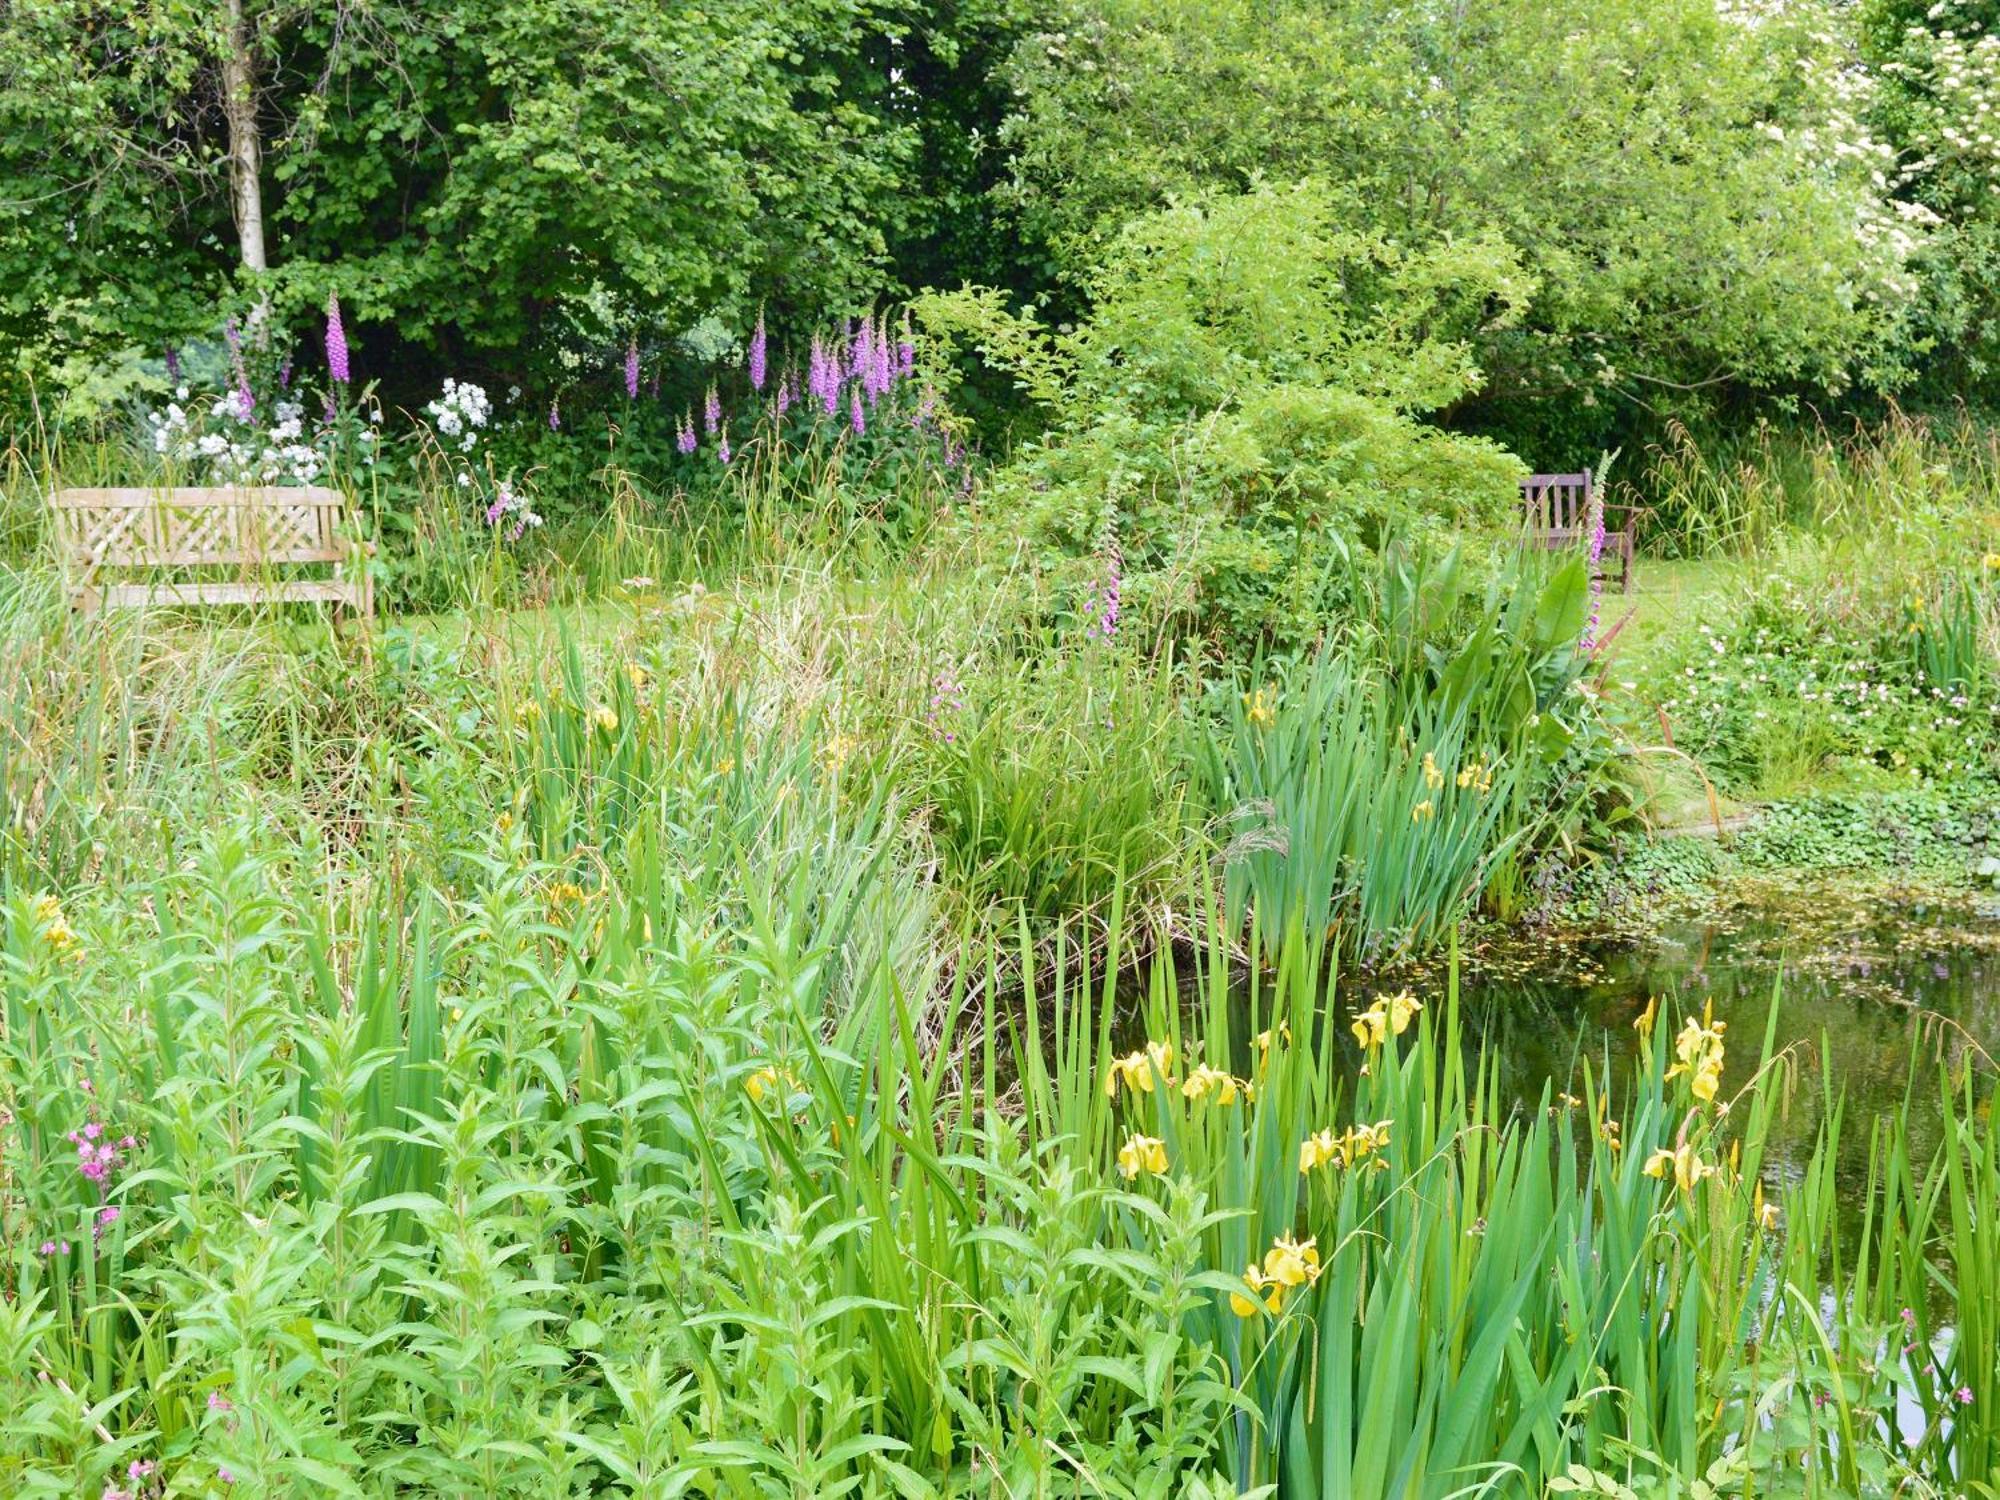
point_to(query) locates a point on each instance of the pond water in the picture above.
(1869, 986)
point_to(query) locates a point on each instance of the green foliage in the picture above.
(1232, 417)
(1684, 210)
(514, 186)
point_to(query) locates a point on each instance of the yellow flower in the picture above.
(56, 931)
(768, 1080)
(1644, 1024)
(636, 674)
(1424, 809)
(724, 766)
(604, 718)
(505, 822)
(1282, 1032)
(1287, 1264)
(1345, 1150)
(1388, 1016)
(530, 709)
(1479, 775)
(1403, 1007)
(563, 896)
(1990, 561)
(1142, 1153)
(1699, 1053)
(1318, 1149)
(1266, 1295)
(1433, 777)
(1687, 1167)
(1137, 1069)
(836, 752)
(1261, 707)
(1292, 1263)
(1204, 1080)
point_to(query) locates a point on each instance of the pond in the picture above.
(1869, 988)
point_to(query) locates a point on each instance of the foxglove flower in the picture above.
(823, 379)
(336, 341)
(861, 355)
(880, 373)
(711, 412)
(555, 415)
(632, 370)
(906, 349)
(783, 400)
(722, 448)
(758, 350)
(855, 419)
(684, 438)
(1589, 641)
(246, 402)
(173, 364)
(285, 374)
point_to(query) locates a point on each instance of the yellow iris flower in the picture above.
(1388, 1016)
(1288, 1264)
(1682, 1161)
(1142, 1153)
(1204, 1080)
(1136, 1069)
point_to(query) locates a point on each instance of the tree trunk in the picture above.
(246, 157)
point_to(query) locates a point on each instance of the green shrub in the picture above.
(1237, 412)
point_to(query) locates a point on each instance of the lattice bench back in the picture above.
(234, 538)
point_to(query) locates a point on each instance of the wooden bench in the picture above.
(1556, 508)
(233, 541)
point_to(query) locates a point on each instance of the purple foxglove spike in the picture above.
(882, 367)
(555, 415)
(285, 374)
(684, 438)
(861, 352)
(711, 412)
(632, 369)
(173, 363)
(233, 334)
(336, 341)
(783, 400)
(722, 448)
(246, 403)
(906, 348)
(855, 417)
(758, 350)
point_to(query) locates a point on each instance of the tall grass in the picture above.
(1714, 496)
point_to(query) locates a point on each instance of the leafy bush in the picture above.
(1234, 415)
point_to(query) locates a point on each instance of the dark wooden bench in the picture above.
(1556, 509)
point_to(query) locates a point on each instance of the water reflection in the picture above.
(1872, 988)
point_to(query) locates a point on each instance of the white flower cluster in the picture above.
(1954, 80)
(460, 412)
(225, 439)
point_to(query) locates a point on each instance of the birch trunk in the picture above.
(239, 106)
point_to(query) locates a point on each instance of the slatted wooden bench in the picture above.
(229, 545)
(1556, 508)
